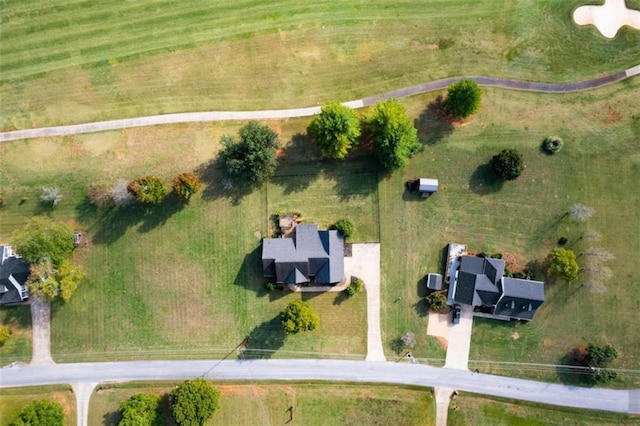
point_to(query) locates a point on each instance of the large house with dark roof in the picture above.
(480, 281)
(13, 276)
(311, 255)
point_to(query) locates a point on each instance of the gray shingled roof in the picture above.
(310, 253)
(478, 279)
(11, 267)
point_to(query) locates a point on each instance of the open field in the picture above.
(76, 61)
(179, 283)
(469, 409)
(12, 401)
(314, 404)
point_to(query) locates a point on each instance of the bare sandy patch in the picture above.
(515, 335)
(546, 342)
(609, 18)
(439, 327)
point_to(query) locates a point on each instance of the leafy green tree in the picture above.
(5, 333)
(395, 139)
(42, 238)
(141, 409)
(186, 184)
(335, 130)
(40, 413)
(148, 189)
(463, 99)
(437, 301)
(563, 263)
(299, 316)
(54, 283)
(598, 358)
(194, 402)
(507, 164)
(345, 227)
(253, 155)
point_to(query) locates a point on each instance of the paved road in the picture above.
(622, 401)
(191, 117)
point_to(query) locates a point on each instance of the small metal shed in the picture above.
(434, 282)
(427, 186)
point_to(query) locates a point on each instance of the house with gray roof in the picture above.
(311, 255)
(480, 281)
(13, 276)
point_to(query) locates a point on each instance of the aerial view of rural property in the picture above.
(329, 212)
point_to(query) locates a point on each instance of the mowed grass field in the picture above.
(313, 404)
(177, 282)
(469, 409)
(75, 61)
(13, 401)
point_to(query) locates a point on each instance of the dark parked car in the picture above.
(456, 314)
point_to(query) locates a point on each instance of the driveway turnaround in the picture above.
(192, 117)
(364, 263)
(459, 340)
(622, 401)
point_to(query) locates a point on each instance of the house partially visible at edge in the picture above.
(13, 276)
(309, 256)
(480, 282)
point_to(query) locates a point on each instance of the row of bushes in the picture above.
(149, 190)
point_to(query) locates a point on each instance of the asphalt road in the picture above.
(623, 401)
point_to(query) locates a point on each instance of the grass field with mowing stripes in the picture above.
(69, 62)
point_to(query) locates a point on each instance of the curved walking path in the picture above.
(192, 117)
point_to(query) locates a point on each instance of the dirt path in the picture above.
(191, 117)
(41, 331)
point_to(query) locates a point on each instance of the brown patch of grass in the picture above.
(444, 343)
(546, 342)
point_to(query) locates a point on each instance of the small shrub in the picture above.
(356, 286)
(437, 301)
(51, 196)
(148, 189)
(508, 164)
(496, 256)
(99, 194)
(345, 227)
(23, 200)
(120, 194)
(5, 333)
(270, 286)
(552, 144)
(186, 184)
(562, 241)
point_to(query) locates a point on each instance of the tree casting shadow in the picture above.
(219, 185)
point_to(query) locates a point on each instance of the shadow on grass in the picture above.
(299, 164)
(432, 128)
(250, 276)
(571, 369)
(113, 223)
(483, 181)
(340, 298)
(19, 315)
(111, 418)
(396, 345)
(421, 307)
(265, 340)
(219, 185)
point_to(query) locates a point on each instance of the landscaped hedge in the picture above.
(552, 144)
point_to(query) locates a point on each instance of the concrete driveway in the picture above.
(459, 340)
(364, 263)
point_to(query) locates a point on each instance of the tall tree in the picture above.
(40, 412)
(598, 358)
(56, 283)
(395, 138)
(507, 164)
(253, 155)
(299, 316)
(42, 238)
(335, 130)
(194, 402)
(563, 263)
(141, 409)
(463, 99)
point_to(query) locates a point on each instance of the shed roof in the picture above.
(428, 185)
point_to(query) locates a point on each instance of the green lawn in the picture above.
(187, 283)
(18, 346)
(13, 400)
(76, 61)
(313, 403)
(469, 409)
